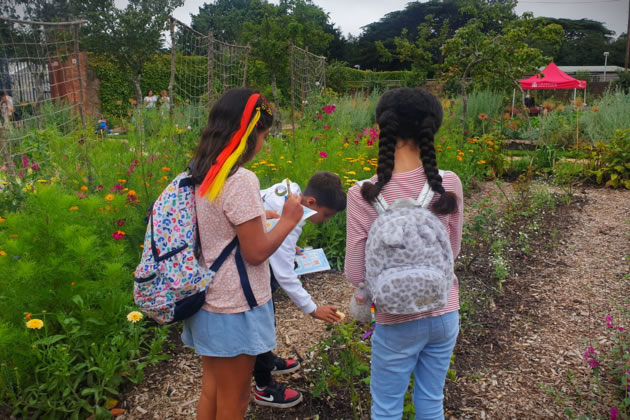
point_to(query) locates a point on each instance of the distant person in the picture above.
(164, 102)
(150, 100)
(6, 107)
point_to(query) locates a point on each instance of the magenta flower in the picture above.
(120, 222)
(614, 413)
(319, 116)
(356, 142)
(81, 195)
(98, 188)
(622, 329)
(326, 127)
(591, 358)
(117, 187)
(118, 235)
(609, 321)
(36, 166)
(149, 174)
(25, 161)
(329, 109)
(323, 154)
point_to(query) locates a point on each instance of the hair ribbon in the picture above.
(219, 171)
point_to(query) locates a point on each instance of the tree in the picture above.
(130, 36)
(496, 59)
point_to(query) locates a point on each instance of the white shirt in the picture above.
(150, 101)
(282, 261)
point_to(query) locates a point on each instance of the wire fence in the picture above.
(42, 82)
(308, 78)
(202, 68)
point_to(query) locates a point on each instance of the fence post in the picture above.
(171, 83)
(77, 54)
(210, 67)
(292, 94)
(249, 48)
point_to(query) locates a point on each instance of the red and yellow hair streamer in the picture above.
(219, 171)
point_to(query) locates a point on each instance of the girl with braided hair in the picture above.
(421, 343)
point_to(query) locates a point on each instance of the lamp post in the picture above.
(605, 63)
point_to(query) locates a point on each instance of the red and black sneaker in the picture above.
(276, 395)
(283, 366)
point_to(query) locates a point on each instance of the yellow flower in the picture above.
(74, 208)
(83, 188)
(35, 324)
(471, 151)
(481, 162)
(367, 169)
(109, 197)
(282, 157)
(42, 181)
(351, 173)
(134, 316)
(3, 254)
(289, 161)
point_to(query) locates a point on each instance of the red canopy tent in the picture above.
(552, 78)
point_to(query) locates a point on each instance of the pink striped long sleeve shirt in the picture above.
(361, 215)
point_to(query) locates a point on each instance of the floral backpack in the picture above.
(169, 283)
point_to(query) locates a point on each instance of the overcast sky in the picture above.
(350, 15)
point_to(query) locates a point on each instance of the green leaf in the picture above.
(46, 341)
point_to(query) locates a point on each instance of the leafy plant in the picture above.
(614, 161)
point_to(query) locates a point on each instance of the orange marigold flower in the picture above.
(13, 236)
(459, 158)
(28, 316)
(166, 169)
(481, 162)
(83, 188)
(73, 208)
(109, 197)
(122, 181)
(131, 192)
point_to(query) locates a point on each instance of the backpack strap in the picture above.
(379, 204)
(426, 195)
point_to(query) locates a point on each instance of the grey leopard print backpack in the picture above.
(408, 257)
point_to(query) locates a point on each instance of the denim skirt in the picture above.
(228, 335)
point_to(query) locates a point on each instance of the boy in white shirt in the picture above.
(324, 193)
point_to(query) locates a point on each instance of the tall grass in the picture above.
(613, 113)
(483, 102)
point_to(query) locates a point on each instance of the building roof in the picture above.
(590, 69)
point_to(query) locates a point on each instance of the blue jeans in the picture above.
(424, 347)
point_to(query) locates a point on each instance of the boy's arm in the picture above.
(282, 264)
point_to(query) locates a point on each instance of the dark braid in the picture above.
(414, 114)
(386, 149)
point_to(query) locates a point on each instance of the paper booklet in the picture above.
(271, 223)
(312, 261)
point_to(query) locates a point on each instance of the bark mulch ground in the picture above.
(529, 337)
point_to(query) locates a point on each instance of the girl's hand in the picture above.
(299, 250)
(292, 211)
(272, 214)
(326, 313)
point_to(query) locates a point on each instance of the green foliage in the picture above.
(612, 113)
(623, 82)
(614, 161)
(342, 362)
(343, 79)
(60, 264)
(483, 102)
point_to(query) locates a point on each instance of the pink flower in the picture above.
(329, 109)
(25, 161)
(98, 188)
(466, 132)
(609, 321)
(614, 413)
(591, 358)
(82, 195)
(118, 235)
(149, 175)
(21, 173)
(356, 142)
(326, 127)
(36, 166)
(117, 187)
(319, 116)
(370, 142)
(323, 154)
(120, 222)
(622, 329)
